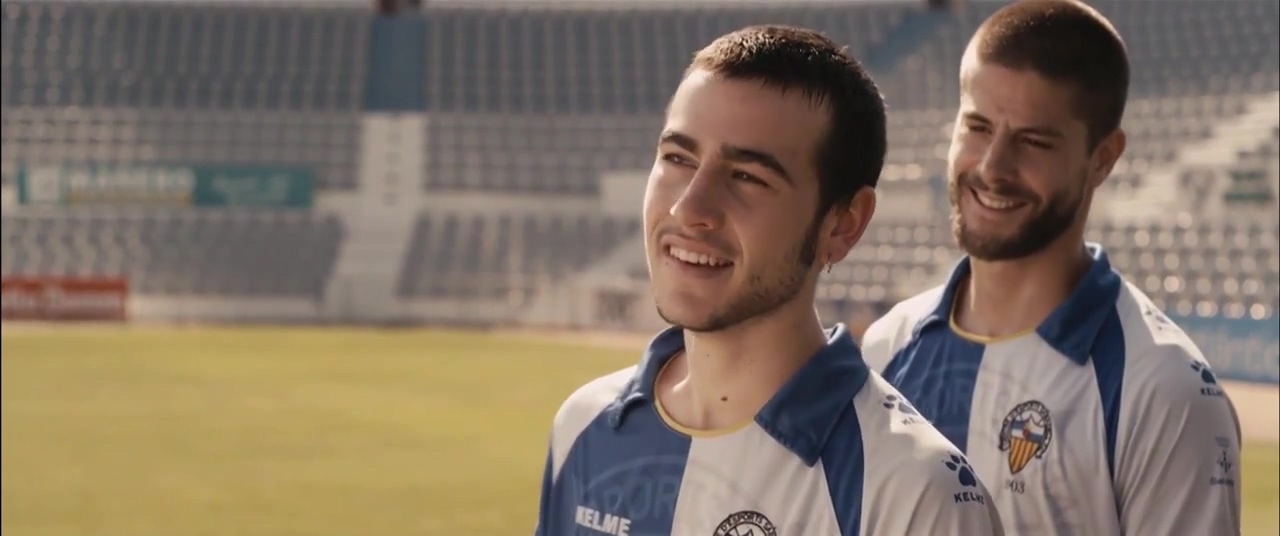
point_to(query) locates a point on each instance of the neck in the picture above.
(726, 377)
(1004, 298)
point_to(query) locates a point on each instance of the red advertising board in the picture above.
(65, 298)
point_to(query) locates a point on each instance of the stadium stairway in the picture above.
(380, 220)
(581, 300)
(1231, 138)
(1160, 192)
(605, 291)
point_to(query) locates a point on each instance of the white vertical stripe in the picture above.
(749, 471)
(1068, 489)
(878, 508)
(904, 476)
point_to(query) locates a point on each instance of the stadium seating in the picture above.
(1255, 180)
(889, 255)
(203, 56)
(538, 101)
(482, 256)
(548, 154)
(1176, 47)
(185, 253)
(164, 83)
(545, 100)
(1183, 266)
(549, 60)
(325, 142)
(1156, 127)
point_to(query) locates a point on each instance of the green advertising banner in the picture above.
(161, 185)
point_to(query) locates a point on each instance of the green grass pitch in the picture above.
(281, 432)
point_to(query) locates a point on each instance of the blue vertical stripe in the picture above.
(633, 471)
(844, 464)
(1108, 359)
(937, 372)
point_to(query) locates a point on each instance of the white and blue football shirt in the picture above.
(1105, 420)
(836, 452)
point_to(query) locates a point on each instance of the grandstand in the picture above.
(485, 164)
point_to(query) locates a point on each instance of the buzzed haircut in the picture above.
(1067, 42)
(852, 153)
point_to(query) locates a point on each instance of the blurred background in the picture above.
(213, 211)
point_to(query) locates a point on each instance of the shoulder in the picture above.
(578, 411)
(898, 439)
(900, 319)
(891, 332)
(909, 463)
(585, 404)
(1166, 375)
(1160, 357)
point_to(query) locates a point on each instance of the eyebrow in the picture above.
(730, 152)
(1047, 132)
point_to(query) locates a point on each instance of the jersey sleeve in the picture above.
(879, 342)
(889, 334)
(571, 419)
(1178, 466)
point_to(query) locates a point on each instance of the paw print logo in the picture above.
(1162, 322)
(895, 401)
(1206, 375)
(964, 473)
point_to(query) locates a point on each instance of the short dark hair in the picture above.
(851, 155)
(1068, 42)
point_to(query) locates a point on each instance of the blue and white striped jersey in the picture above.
(1105, 420)
(836, 452)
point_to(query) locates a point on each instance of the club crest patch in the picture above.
(1025, 434)
(746, 523)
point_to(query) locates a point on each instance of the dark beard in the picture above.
(1054, 218)
(766, 292)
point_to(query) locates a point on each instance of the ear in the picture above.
(847, 223)
(1105, 156)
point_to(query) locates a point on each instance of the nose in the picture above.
(699, 204)
(999, 163)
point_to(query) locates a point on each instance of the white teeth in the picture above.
(995, 202)
(695, 258)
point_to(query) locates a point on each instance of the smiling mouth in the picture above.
(697, 259)
(996, 202)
